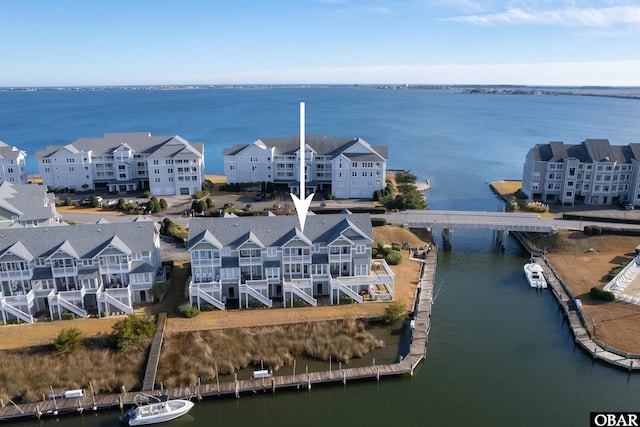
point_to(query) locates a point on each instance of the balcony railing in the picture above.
(64, 271)
(115, 268)
(208, 262)
(250, 261)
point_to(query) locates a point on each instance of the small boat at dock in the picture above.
(157, 412)
(533, 271)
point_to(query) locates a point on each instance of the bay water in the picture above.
(499, 352)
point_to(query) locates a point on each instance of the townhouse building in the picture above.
(27, 205)
(346, 167)
(121, 162)
(101, 268)
(593, 172)
(268, 261)
(12, 164)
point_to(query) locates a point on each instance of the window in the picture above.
(361, 249)
(272, 251)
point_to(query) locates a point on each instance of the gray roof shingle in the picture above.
(86, 240)
(276, 231)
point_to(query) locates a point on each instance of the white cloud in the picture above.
(590, 17)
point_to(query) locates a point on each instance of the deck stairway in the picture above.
(68, 305)
(244, 288)
(207, 297)
(19, 314)
(338, 285)
(290, 287)
(106, 298)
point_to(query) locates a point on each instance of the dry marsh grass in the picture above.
(28, 374)
(199, 353)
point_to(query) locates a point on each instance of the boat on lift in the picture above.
(535, 275)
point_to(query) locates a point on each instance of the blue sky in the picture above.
(128, 42)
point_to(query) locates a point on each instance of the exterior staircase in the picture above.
(208, 298)
(106, 298)
(256, 295)
(290, 287)
(19, 314)
(338, 285)
(61, 302)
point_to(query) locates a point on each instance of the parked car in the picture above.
(259, 197)
(87, 200)
(247, 207)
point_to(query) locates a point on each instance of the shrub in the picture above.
(147, 194)
(378, 222)
(209, 203)
(95, 202)
(163, 204)
(519, 194)
(587, 229)
(201, 195)
(597, 293)
(67, 341)
(68, 201)
(384, 249)
(187, 310)
(614, 271)
(394, 257)
(374, 252)
(131, 331)
(394, 312)
(122, 205)
(67, 315)
(207, 307)
(396, 246)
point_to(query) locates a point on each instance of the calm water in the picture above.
(500, 353)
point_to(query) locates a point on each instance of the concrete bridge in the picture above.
(499, 222)
(471, 220)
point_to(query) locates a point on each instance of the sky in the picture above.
(176, 42)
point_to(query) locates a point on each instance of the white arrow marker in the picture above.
(301, 203)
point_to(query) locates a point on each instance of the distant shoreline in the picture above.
(631, 92)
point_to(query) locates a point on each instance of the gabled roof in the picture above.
(19, 250)
(278, 230)
(590, 150)
(87, 240)
(66, 248)
(599, 150)
(293, 234)
(8, 152)
(139, 142)
(28, 201)
(116, 243)
(319, 144)
(249, 237)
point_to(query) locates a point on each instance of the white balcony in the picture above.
(71, 271)
(115, 268)
(16, 274)
(206, 262)
(340, 257)
(243, 261)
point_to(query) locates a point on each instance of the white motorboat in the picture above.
(157, 412)
(533, 271)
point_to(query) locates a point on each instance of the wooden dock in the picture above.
(124, 400)
(154, 354)
(572, 311)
